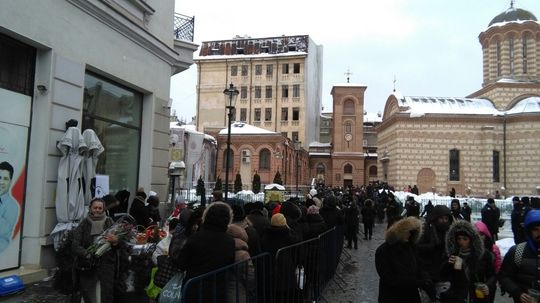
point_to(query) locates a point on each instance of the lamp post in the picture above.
(230, 102)
(297, 145)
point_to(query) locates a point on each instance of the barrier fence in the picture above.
(297, 273)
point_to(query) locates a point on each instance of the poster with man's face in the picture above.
(14, 126)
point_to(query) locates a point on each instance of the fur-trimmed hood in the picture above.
(462, 226)
(399, 231)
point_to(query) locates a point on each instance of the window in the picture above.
(243, 92)
(284, 114)
(347, 169)
(296, 91)
(373, 171)
(320, 169)
(284, 91)
(511, 53)
(257, 114)
(524, 51)
(258, 69)
(285, 134)
(114, 113)
(269, 69)
(267, 114)
(348, 107)
(498, 51)
(496, 166)
(234, 70)
(295, 137)
(348, 127)
(243, 114)
(264, 159)
(231, 159)
(17, 61)
(257, 92)
(296, 113)
(296, 68)
(454, 165)
(285, 68)
(268, 91)
(244, 70)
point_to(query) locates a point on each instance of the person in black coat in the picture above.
(431, 247)
(490, 216)
(153, 210)
(282, 275)
(293, 214)
(206, 250)
(352, 223)
(258, 219)
(397, 264)
(138, 210)
(315, 222)
(331, 214)
(368, 218)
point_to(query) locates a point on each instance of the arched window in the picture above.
(320, 169)
(264, 159)
(231, 159)
(347, 169)
(373, 171)
(453, 165)
(348, 107)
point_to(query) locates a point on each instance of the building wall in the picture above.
(72, 38)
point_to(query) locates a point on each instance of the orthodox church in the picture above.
(484, 144)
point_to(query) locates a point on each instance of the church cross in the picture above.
(348, 74)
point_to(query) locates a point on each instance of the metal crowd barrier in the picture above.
(298, 273)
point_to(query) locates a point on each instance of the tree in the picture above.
(201, 191)
(219, 184)
(237, 183)
(277, 178)
(256, 183)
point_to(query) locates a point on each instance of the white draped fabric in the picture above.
(94, 149)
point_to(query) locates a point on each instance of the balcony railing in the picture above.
(184, 27)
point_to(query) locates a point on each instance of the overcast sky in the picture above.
(430, 46)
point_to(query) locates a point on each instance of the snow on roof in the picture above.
(420, 106)
(372, 117)
(319, 154)
(319, 144)
(241, 128)
(190, 128)
(350, 84)
(267, 55)
(508, 22)
(527, 105)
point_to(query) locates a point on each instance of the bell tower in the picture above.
(347, 134)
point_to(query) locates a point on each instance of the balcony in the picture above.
(184, 27)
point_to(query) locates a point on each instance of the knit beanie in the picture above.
(278, 220)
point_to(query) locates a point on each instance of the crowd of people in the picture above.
(430, 254)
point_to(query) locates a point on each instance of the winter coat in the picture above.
(292, 213)
(352, 221)
(368, 215)
(259, 221)
(431, 247)
(491, 216)
(331, 214)
(139, 212)
(240, 242)
(397, 263)
(316, 226)
(518, 274)
(477, 266)
(283, 274)
(483, 230)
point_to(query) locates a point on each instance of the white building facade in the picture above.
(105, 64)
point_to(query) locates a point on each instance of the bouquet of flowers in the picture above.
(123, 229)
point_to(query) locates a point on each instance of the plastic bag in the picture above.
(300, 276)
(172, 292)
(152, 291)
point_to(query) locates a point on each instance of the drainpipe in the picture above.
(504, 151)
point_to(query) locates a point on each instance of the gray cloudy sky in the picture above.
(431, 46)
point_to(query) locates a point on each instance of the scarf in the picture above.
(98, 223)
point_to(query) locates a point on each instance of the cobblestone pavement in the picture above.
(357, 280)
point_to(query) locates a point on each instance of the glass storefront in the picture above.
(114, 113)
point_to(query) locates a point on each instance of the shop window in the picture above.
(114, 112)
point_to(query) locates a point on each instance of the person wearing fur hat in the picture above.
(208, 249)
(469, 267)
(519, 270)
(293, 213)
(431, 247)
(331, 214)
(397, 263)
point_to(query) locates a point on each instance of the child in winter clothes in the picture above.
(469, 268)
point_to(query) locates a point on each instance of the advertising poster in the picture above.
(14, 126)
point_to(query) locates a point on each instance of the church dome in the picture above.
(513, 14)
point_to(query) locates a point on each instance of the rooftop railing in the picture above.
(184, 27)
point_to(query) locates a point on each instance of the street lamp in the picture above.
(297, 146)
(230, 102)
